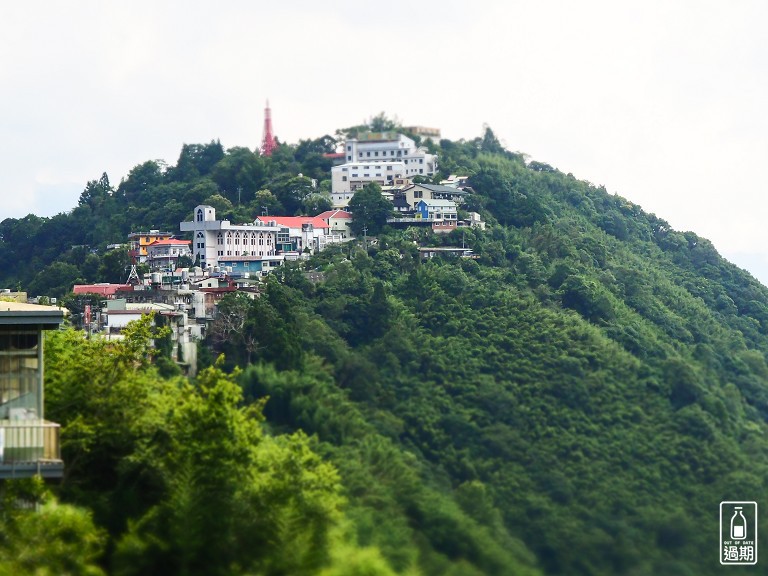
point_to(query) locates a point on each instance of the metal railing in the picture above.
(25, 441)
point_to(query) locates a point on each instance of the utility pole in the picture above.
(365, 238)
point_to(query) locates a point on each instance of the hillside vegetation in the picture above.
(575, 401)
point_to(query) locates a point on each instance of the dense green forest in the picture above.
(575, 401)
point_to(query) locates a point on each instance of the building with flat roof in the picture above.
(381, 157)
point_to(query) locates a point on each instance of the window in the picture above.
(399, 152)
(421, 171)
(389, 168)
(418, 194)
(343, 178)
(219, 239)
(343, 169)
(376, 153)
(349, 148)
(421, 160)
(368, 154)
(199, 215)
(349, 158)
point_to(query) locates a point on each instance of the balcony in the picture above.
(28, 448)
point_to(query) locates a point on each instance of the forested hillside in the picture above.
(575, 401)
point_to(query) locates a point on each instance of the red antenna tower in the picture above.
(268, 143)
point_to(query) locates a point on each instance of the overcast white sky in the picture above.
(663, 102)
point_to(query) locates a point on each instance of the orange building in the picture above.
(139, 241)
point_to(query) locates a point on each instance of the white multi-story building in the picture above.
(380, 157)
(214, 239)
(348, 178)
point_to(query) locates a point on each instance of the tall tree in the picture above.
(369, 209)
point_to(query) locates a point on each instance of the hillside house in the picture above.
(441, 213)
(164, 254)
(140, 241)
(416, 192)
(338, 222)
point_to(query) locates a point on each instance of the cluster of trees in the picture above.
(576, 400)
(173, 477)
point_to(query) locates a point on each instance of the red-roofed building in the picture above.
(338, 221)
(139, 241)
(336, 157)
(301, 233)
(165, 253)
(105, 290)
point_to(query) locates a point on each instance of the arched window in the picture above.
(200, 215)
(219, 239)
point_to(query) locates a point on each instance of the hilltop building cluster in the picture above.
(188, 277)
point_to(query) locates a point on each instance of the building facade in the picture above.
(29, 445)
(140, 241)
(302, 233)
(214, 239)
(380, 157)
(165, 254)
(338, 222)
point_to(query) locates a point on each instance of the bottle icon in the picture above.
(738, 525)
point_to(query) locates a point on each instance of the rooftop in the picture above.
(441, 189)
(294, 221)
(334, 214)
(12, 313)
(170, 242)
